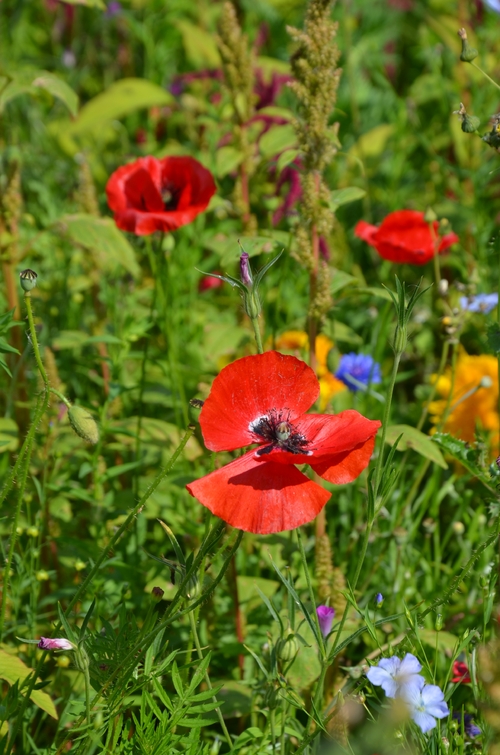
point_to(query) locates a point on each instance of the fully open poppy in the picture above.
(405, 236)
(159, 195)
(261, 400)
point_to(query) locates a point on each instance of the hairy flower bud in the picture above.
(157, 594)
(83, 424)
(245, 270)
(468, 53)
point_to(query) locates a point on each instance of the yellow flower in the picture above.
(474, 403)
(297, 340)
(328, 387)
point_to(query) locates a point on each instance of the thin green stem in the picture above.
(194, 631)
(258, 337)
(385, 422)
(60, 396)
(485, 75)
(321, 640)
(34, 340)
(86, 676)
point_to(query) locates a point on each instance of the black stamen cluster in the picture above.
(267, 428)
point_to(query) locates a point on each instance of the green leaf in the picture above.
(121, 98)
(277, 139)
(373, 143)
(13, 670)
(31, 81)
(345, 334)
(227, 159)
(469, 456)
(109, 247)
(286, 157)
(444, 641)
(58, 88)
(418, 441)
(340, 280)
(237, 699)
(200, 46)
(340, 197)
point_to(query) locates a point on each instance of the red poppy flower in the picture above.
(159, 195)
(404, 236)
(461, 673)
(262, 399)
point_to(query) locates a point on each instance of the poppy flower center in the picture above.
(276, 429)
(170, 196)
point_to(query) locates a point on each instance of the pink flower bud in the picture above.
(58, 643)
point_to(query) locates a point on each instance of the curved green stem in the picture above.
(385, 422)
(485, 75)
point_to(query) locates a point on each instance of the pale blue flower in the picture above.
(397, 676)
(426, 705)
(482, 303)
(493, 4)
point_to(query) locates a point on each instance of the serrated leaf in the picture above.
(417, 440)
(13, 670)
(463, 452)
(108, 245)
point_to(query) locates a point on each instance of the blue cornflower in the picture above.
(396, 676)
(379, 599)
(470, 728)
(356, 370)
(426, 704)
(482, 303)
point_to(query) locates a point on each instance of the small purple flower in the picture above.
(361, 367)
(379, 599)
(113, 9)
(482, 303)
(470, 728)
(325, 618)
(245, 271)
(58, 643)
(397, 676)
(426, 704)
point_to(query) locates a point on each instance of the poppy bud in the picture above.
(439, 622)
(83, 424)
(28, 279)
(288, 647)
(468, 53)
(470, 123)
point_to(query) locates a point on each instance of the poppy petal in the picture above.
(366, 232)
(447, 241)
(347, 466)
(260, 498)
(248, 390)
(331, 438)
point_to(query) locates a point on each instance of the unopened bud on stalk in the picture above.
(83, 424)
(400, 339)
(470, 123)
(468, 53)
(288, 647)
(157, 594)
(439, 622)
(28, 279)
(245, 270)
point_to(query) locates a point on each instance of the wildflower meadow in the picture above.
(249, 360)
